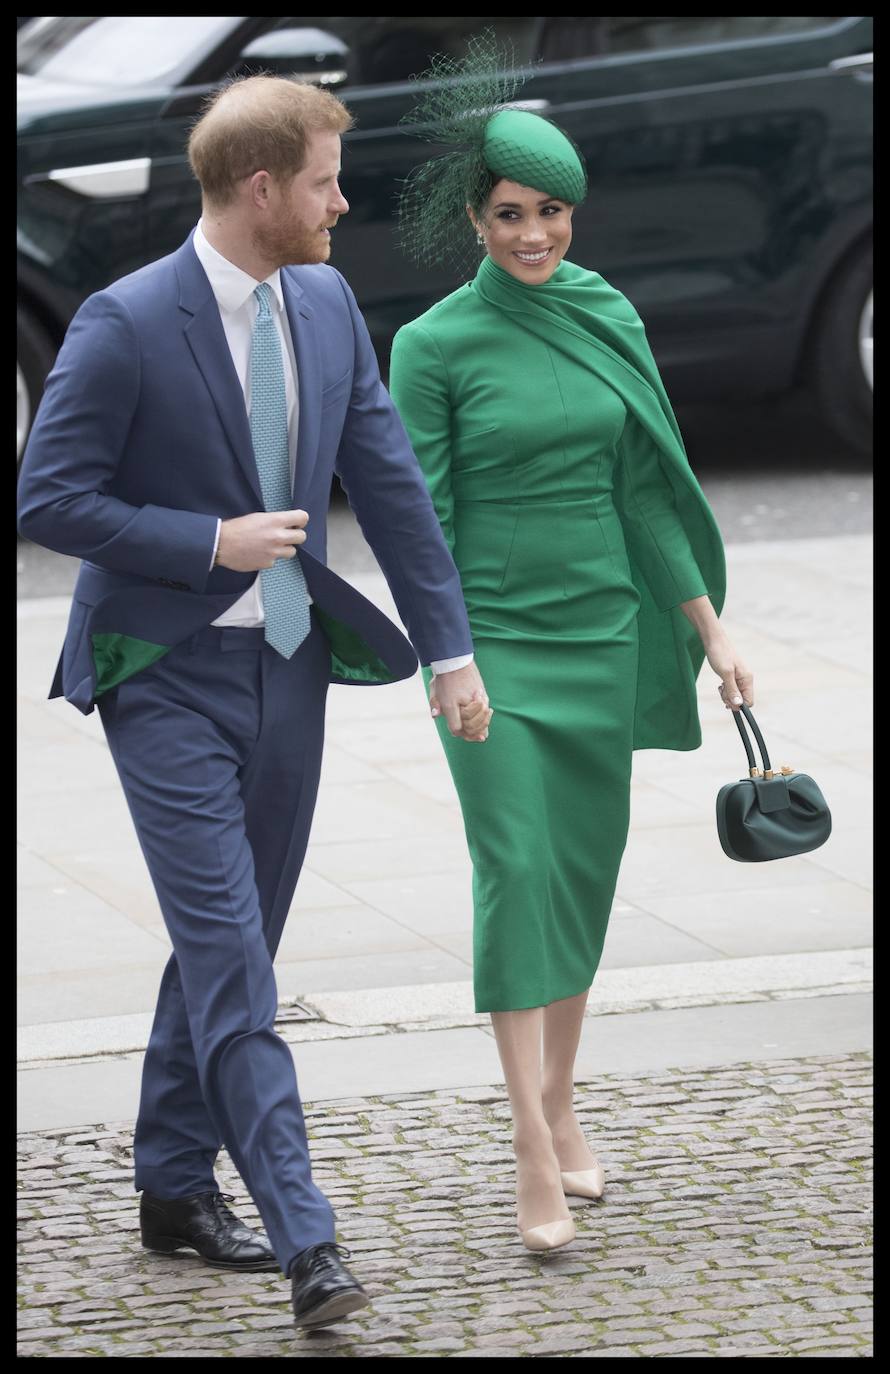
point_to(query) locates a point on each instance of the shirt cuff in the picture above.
(450, 665)
(216, 542)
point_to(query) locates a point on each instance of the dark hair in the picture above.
(485, 184)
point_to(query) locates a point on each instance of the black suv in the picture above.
(729, 162)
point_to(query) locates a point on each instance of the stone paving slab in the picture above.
(736, 1222)
(384, 898)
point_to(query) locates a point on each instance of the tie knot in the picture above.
(263, 294)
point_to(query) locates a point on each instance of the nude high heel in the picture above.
(584, 1183)
(549, 1237)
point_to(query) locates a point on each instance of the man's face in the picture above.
(301, 212)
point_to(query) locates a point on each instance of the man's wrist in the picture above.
(450, 665)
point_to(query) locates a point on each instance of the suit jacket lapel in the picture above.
(207, 340)
(302, 328)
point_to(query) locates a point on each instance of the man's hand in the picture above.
(252, 542)
(461, 698)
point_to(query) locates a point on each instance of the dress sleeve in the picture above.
(418, 383)
(653, 529)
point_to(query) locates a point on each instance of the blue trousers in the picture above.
(218, 747)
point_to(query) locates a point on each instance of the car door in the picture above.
(720, 151)
(705, 141)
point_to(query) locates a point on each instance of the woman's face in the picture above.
(526, 232)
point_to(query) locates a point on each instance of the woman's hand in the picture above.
(737, 682)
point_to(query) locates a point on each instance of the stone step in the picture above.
(440, 1006)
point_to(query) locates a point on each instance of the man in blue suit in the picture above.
(184, 449)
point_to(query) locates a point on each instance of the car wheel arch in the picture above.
(831, 361)
(836, 264)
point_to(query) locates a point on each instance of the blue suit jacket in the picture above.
(142, 440)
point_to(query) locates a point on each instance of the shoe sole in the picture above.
(333, 1308)
(163, 1246)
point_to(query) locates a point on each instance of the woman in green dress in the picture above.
(593, 574)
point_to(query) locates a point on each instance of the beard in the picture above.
(287, 244)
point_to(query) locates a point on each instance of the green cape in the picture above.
(579, 313)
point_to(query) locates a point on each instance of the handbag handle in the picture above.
(753, 770)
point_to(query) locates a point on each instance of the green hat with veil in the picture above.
(463, 105)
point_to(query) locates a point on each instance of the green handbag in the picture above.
(769, 815)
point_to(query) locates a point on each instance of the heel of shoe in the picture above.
(162, 1245)
(549, 1237)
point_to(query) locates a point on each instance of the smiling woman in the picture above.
(524, 232)
(593, 575)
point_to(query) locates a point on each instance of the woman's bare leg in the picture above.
(562, 1032)
(539, 1193)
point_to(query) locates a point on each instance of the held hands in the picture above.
(252, 542)
(474, 719)
(461, 698)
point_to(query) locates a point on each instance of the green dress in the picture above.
(561, 484)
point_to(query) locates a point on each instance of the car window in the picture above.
(114, 51)
(563, 39)
(390, 49)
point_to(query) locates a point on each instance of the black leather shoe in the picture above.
(323, 1290)
(203, 1223)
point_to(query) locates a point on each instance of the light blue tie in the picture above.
(285, 598)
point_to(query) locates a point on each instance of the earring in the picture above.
(480, 238)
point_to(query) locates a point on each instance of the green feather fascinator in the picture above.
(462, 104)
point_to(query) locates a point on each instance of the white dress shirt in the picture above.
(234, 292)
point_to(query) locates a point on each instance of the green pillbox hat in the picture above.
(465, 104)
(528, 149)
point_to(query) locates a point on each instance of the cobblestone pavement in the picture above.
(736, 1221)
